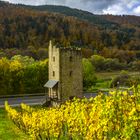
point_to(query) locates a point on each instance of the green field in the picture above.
(104, 79)
(8, 131)
(110, 75)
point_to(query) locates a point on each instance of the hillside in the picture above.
(67, 11)
(104, 20)
(27, 30)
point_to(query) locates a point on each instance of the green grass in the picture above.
(110, 75)
(8, 131)
(103, 85)
(104, 79)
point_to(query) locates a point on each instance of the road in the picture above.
(35, 100)
(31, 100)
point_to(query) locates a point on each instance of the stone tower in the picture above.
(65, 73)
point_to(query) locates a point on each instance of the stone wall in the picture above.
(66, 63)
(54, 62)
(71, 73)
(54, 65)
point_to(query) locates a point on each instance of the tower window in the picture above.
(53, 73)
(53, 59)
(70, 73)
(70, 58)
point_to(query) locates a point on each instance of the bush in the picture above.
(122, 80)
(98, 62)
(103, 117)
(106, 64)
(89, 78)
(22, 75)
(135, 65)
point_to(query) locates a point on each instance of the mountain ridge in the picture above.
(30, 29)
(80, 13)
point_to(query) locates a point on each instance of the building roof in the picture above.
(51, 83)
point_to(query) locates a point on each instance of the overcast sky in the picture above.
(115, 7)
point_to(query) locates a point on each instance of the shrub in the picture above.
(122, 80)
(106, 64)
(103, 117)
(89, 78)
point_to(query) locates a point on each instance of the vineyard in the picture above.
(104, 117)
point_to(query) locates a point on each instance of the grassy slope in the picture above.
(110, 75)
(104, 79)
(8, 131)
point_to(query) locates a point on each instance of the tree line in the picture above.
(24, 75)
(27, 32)
(21, 75)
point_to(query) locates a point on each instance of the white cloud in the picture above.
(117, 7)
(114, 10)
(130, 3)
(137, 10)
(30, 2)
(124, 7)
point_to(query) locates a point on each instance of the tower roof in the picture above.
(51, 83)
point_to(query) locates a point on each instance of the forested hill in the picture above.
(67, 11)
(27, 30)
(104, 20)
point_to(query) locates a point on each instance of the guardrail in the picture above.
(22, 95)
(44, 94)
(37, 94)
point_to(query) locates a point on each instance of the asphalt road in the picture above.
(31, 100)
(35, 100)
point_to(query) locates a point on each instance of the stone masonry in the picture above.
(65, 72)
